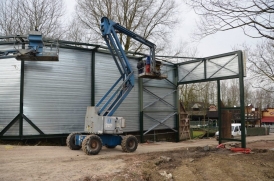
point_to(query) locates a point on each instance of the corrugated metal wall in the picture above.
(9, 92)
(56, 94)
(163, 101)
(106, 73)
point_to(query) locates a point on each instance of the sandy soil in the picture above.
(190, 160)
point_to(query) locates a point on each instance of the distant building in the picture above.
(268, 116)
(197, 111)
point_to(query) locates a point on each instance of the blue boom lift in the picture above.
(101, 127)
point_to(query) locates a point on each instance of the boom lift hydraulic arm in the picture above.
(101, 127)
(109, 29)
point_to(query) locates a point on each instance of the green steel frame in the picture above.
(240, 76)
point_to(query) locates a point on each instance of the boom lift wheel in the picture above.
(92, 144)
(71, 141)
(129, 143)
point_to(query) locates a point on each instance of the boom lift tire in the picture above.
(129, 143)
(92, 144)
(71, 141)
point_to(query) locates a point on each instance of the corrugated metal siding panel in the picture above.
(230, 63)
(165, 109)
(149, 123)
(28, 129)
(9, 91)
(190, 72)
(56, 94)
(14, 130)
(106, 74)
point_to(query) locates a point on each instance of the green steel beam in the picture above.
(219, 110)
(21, 109)
(207, 80)
(176, 103)
(33, 125)
(222, 55)
(93, 78)
(205, 69)
(174, 84)
(141, 111)
(191, 61)
(9, 125)
(242, 101)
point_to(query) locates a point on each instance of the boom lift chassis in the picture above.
(101, 127)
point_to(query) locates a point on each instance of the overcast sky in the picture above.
(221, 42)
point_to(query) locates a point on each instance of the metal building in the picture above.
(49, 99)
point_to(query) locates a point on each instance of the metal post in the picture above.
(21, 111)
(176, 104)
(141, 112)
(93, 78)
(242, 101)
(219, 111)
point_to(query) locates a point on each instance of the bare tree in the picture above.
(255, 17)
(9, 17)
(18, 17)
(197, 92)
(75, 33)
(150, 19)
(262, 65)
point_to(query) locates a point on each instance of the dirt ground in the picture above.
(190, 160)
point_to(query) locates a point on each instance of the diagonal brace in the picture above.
(191, 71)
(160, 122)
(221, 67)
(160, 99)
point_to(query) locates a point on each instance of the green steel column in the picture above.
(141, 106)
(176, 103)
(205, 69)
(93, 78)
(219, 110)
(21, 100)
(242, 101)
(21, 112)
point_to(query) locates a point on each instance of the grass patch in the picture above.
(198, 134)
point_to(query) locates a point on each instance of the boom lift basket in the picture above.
(148, 72)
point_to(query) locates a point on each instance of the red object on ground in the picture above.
(242, 150)
(148, 68)
(221, 146)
